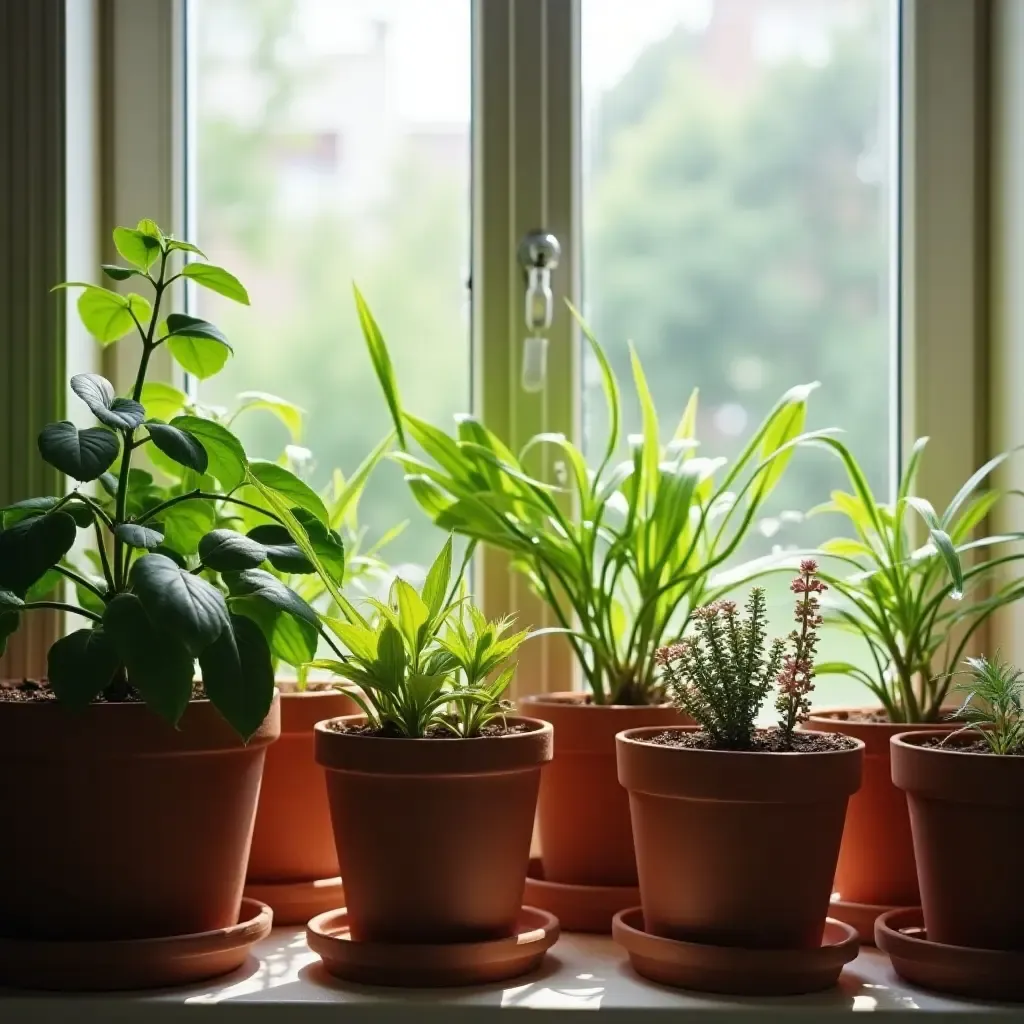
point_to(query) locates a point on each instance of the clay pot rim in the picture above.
(579, 699)
(829, 715)
(294, 903)
(914, 741)
(396, 755)
(891, 938)
(627, 736)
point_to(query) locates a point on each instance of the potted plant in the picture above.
(916, 610)
(965, 792)
(432, 791)
(128, 788)
(713, 806)
(622, 555)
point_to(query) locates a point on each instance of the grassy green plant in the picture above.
(623, 553)
(992, 705)
(170, 586)
(916, 607)
(721, 675)
(424, 661)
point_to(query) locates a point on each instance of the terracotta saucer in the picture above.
(735, 971)
(861, 916)
(427, 965)
(297, 902)
(579, 908)
(958, 970)
(134, 963)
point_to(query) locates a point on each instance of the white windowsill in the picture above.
(581, 972)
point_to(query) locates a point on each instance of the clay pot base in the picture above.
(297, 902)
(579, 908)
(733, 971)
(957, 970)
(428, 965)
(861, 916)
(134, 963)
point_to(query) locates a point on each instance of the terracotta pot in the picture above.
(876, 859)
(292, 840)
(433, 835)
(736, 849)
(967, 819)
(583, 813)
(118, 826)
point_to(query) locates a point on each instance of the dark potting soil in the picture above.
(766, 741)
(435, 732)
(971, 747)
(30, 692)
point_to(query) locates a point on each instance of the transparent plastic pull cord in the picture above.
(537, 314)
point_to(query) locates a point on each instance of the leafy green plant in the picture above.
(721, 676)
(424, 662)
(992, 705)
(916, 607)
(170, 585)
(622, 554)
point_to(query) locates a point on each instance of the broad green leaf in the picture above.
(381, 362)
(391, 661)
(183, 246)
(360, 641)
(139, 249)
(262, 584)
(186, 606)
(29, 548)
(227, 461)
(181, 325)
(435, 586)
(159, 666)
(32, 507)
(180, 445)
(116, 273)
(287, 412)
(292, 640)
(82, 454)
(162, 401)
(105, 314)
(238, 675)
(138, 536)
(280, 550)
(186, 523)
(289, 486)
(98, 394)
(201, 357)
(413, 614)
(217, 279)
(226, 551)
(80, 666)
(149, 227)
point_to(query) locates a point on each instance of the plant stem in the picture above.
(80, 580)
(104, 561)
(196, 494)
(61, 606)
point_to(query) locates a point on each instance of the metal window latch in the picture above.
(538, 256)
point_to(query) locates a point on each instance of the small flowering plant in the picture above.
(721, 676)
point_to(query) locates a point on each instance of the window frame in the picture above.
(526, 162)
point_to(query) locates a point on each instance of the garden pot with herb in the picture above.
(902, 601)
(714, 805)
(622, 555)
(128, 789)
(432, 790)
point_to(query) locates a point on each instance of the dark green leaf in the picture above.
(183, 447)
(217, 279)
(289, 486)
(226, 550)
(292, 640)
(44, 586)
(31, 507)
(141, 250)
(186, 606)
(281, 550)
(80, 666)
(181, 325)
(238, 675)
(186, 523)
(159, 667)
(32, 546)
(227, 461)
(82, 454)
(117, 273)
(98, 394)
(137, 536)
(260, 583)
(9, 622)
(183, 246)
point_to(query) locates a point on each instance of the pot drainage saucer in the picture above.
(861, 916)
(733, 970)
(957, 970)
(430, 965)
(108, 965)
(579, 908)
(297, 902)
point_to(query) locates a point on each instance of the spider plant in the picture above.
(624, 553)
(992, 705)
(917, 608)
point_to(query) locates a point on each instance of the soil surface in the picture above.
(766, 741)
(435, 732)
(970, 747)
(30, 692)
